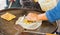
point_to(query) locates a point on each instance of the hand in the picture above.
(11, 0)
(32, 17)
(36, 17)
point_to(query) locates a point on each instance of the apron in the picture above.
(47, 4)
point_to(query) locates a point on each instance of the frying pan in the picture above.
(10, 28)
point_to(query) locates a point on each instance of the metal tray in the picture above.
(10, 28)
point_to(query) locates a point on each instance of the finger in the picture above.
(30, 14)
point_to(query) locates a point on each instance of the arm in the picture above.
(42, 16)
(52, 15)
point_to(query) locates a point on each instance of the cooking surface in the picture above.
(9, 27)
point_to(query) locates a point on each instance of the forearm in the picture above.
(52, 15)
(42, 16)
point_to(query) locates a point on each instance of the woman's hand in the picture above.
(32, 17)
(36, 17)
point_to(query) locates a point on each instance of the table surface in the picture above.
(10, 28)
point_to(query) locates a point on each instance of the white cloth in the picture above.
(47, 4)
(2, 4)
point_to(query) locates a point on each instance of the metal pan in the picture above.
(10, 28)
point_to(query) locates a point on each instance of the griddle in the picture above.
(10, 28)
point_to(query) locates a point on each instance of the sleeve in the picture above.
(54, 14)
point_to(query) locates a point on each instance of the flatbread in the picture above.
(8, 16)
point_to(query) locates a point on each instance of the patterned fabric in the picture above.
(47, 4)
(54, 14)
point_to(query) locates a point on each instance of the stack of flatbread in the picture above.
(8, 16)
